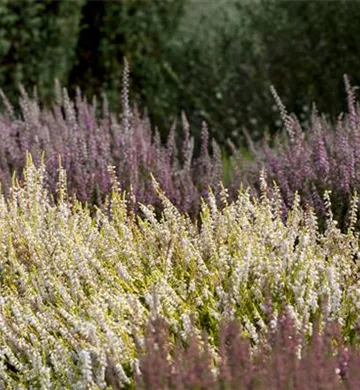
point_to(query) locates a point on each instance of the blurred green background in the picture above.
(213, 59)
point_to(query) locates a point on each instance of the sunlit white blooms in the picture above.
(78, 290)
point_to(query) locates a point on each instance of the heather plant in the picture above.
(285, 360)
(90, 138)
(79, 290)
(309, 160)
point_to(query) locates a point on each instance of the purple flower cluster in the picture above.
(284, 359)
(89, 139)
(310, 161)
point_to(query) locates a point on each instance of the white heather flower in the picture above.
(86, 366)
(45, 382)
(136, 367)
(186, 321)
(121, 374)
(199, 302)
(252, 330)
(99, 373)
(273, 324)
(192, 286)
(4, 372)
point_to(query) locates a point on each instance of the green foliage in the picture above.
(139, 30)
(308, 47)
(37, 43)
(216, 62)
(214, 57)
(225, 58)
(146, 27)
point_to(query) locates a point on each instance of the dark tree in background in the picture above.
(88, 72)
(145, 41)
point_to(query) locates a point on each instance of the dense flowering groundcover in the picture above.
(310, 159)
(213, 286)
(281, 362)
(80, 292)
(320, 157)
(89, 138)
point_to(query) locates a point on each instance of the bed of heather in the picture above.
(126, 263)
(197, 231)
(310, 160)
(89, 138)
(239, 299)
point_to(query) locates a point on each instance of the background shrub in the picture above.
(215, 63)
(38, 40)
(228, 55)
(141, 31)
